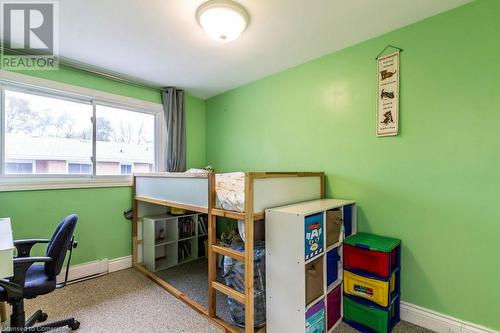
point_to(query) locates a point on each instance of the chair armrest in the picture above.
(12, 290)
(24, 246)
(21, 266)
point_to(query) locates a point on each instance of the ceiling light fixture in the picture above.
(222, 20)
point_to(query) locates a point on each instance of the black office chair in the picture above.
(31, 280)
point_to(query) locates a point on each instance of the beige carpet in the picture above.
(127, 301)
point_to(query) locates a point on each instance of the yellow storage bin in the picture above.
(374, 290)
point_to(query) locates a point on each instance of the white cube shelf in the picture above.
(170, 240)
(304, 264)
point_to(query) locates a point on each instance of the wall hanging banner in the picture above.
(388, 94)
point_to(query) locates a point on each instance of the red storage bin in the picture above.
(394, 259)
(375, 262)
(372, 254)
(333, 306)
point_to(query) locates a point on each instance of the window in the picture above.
(123, 137)
(46, 130)
(52, 134)
(78, 168)
(126, 169)
(18, 167)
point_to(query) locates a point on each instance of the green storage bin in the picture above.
(370, 318)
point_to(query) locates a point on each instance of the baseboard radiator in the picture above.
(94, 269)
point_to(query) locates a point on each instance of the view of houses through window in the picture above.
(53, 135)
(125, 141)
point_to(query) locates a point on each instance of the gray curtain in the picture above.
(174, 134)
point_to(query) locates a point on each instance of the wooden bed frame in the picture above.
(277, 188)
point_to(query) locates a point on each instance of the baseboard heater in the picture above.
(85, 271)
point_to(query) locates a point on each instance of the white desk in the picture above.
(6, 249)
(6, 255)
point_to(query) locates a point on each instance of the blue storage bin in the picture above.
(332, 266)
(348, 214)
(313, 235)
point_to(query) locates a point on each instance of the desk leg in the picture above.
(3, 312)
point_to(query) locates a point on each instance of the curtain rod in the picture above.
(95, 70)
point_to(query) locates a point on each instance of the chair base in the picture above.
(38, 317)
(70, 322)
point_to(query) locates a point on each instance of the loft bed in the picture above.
(241, 196)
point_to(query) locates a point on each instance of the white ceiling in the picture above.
(160, 42)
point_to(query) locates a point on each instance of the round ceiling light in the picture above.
(222, 20)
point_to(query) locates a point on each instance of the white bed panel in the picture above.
(275, 192)
(186, 190)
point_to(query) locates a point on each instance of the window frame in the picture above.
(11, 182)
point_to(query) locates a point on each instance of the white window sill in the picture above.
(8, 184)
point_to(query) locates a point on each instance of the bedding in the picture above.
(230, 191)
(229, 188)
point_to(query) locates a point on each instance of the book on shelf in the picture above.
(184, 250)
(202, 225)
(186, 227)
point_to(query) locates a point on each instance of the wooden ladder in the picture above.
(247, 257)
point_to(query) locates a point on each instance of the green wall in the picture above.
(102, 230)
(435, 185)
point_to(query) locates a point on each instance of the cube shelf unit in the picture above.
(304, 264)
(171, 240)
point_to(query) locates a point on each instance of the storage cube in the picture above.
(315, 318)
(313, 235)
(333, 226)
(349, 220)
(333, 307)
(371, 254)
(377, 291)
(314, 279)
(370, 318)
(332, 266)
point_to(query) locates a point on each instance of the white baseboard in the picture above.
(438, 322)
(118, 264)
(95, 268)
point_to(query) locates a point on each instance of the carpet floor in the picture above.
(192, 279)
(126, 301)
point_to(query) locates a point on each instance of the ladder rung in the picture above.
(238, 255)
(229, 291)
(237, 215)
(229, 214)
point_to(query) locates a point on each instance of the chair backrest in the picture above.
(59, 245)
